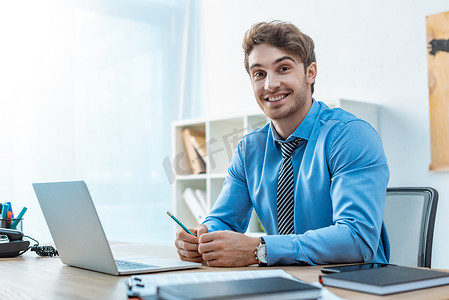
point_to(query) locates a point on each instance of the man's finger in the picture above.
(201, 229)
(187, 246)
(209, 256)
(208, 237)
(198, 259)
(204, 247)
(214, 263)
(189, 254)
(182, 235)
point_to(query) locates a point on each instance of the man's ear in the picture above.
(311, 73)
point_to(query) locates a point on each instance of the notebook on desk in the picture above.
(79, 237)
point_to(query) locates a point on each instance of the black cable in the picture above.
(41, 250)
(45, 250)
(20, 253)
(31, 239)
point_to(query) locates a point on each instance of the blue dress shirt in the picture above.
(341, 176)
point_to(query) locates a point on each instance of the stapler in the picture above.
(15, 245)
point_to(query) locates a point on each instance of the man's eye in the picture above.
(285, 68)
(258, 74)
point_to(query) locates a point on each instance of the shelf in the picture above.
(191, 177)
(222, 138)
(218, 175)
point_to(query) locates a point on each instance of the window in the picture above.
(92, 91)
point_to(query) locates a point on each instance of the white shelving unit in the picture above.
(222, 137)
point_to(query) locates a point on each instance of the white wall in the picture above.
(372, 51)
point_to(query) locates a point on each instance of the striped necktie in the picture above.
(285, 196)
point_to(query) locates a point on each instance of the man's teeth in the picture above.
(276, 98)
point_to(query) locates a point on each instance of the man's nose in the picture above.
(271, 82)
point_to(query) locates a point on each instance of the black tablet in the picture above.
(347, 268)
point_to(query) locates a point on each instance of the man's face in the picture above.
(281, 87)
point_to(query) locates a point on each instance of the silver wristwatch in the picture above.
(261, 253)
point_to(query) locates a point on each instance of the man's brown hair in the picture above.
(282, 35)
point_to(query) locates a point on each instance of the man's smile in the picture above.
(276, 97)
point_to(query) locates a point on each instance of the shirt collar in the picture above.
(304, 129)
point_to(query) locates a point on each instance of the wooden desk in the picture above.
(33, 277)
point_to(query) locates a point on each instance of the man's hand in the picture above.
(227, 249)
(187, 244)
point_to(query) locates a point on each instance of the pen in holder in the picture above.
(13, 223)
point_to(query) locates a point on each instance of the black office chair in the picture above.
(409, 217)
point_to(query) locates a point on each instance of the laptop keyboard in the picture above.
(130, 265)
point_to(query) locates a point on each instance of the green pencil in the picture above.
(179, 223)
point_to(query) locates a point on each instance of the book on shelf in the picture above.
(194, 205)
(387, 280)
(262, 288)
(198, 141)
(202, 196)
(195, 146)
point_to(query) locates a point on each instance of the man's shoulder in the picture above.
(338, 118)
(335, 114)
(258, 133)
(255, 140)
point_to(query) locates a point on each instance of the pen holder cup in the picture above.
(11, 223)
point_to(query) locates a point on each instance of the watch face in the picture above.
(262, 253)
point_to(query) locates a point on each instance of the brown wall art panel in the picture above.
(438, 71)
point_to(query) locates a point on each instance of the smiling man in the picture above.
(317, 177)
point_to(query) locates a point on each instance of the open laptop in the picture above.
(79, 236)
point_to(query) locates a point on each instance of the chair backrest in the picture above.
(409, 218)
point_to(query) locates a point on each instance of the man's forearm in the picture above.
(333, 244)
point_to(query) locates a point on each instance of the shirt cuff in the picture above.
(284, 250)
